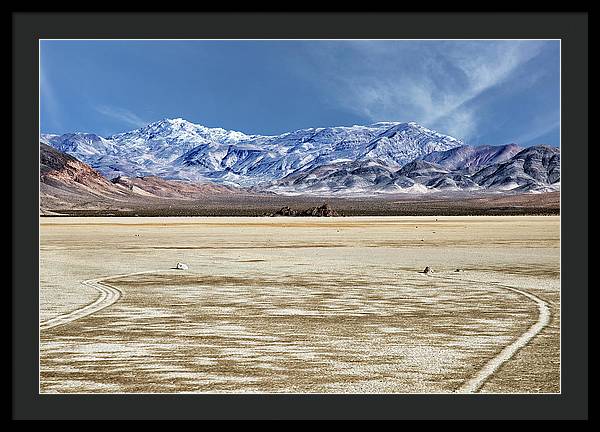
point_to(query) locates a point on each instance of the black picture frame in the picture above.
(570, 28)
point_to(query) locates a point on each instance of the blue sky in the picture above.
(484, 92)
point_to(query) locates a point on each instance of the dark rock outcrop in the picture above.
(323, 211)
(285, 211)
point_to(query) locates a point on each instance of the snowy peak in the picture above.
(80, 145)
(469, 158)
(416, 132)
(374, 157)
(465, 168)
(179, 130)
(535, 168)
(179, 149)
(403, 142)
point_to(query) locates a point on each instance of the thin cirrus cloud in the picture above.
(439, 84)
(49, 103)
(539, 127)
(122, 115)
(481, 91)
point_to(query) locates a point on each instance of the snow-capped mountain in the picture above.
(178, 149)
(81, 145)
(384, 157)
(67, 183)
(533, 169)
(470, 158)
(465, 168)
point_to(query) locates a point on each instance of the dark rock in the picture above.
(323, 211)
(285, 211)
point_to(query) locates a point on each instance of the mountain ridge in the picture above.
(71, 187)
(361, 159)
(66, 182)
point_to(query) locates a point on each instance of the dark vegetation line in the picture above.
(341, 213)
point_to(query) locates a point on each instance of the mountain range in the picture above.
(380, 158)
(69, 184)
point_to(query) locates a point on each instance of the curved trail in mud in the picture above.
(108, 296)
(474, 383)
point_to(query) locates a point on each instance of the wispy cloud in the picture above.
(434, 83)
(539, 126)
(121, 114)
(50, 105)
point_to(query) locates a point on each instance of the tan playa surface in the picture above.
(300, 305)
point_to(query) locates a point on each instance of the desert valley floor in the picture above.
(300, 305)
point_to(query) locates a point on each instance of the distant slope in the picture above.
(67, 183)
(470, 159)
(533, 169)
(380, 158)
(158, 187)
(178, 149)
(462, 169)
(338, 178)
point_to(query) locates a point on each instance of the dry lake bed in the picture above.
(300, 305)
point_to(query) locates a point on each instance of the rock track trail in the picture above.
(109, 295)
(474, 383)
